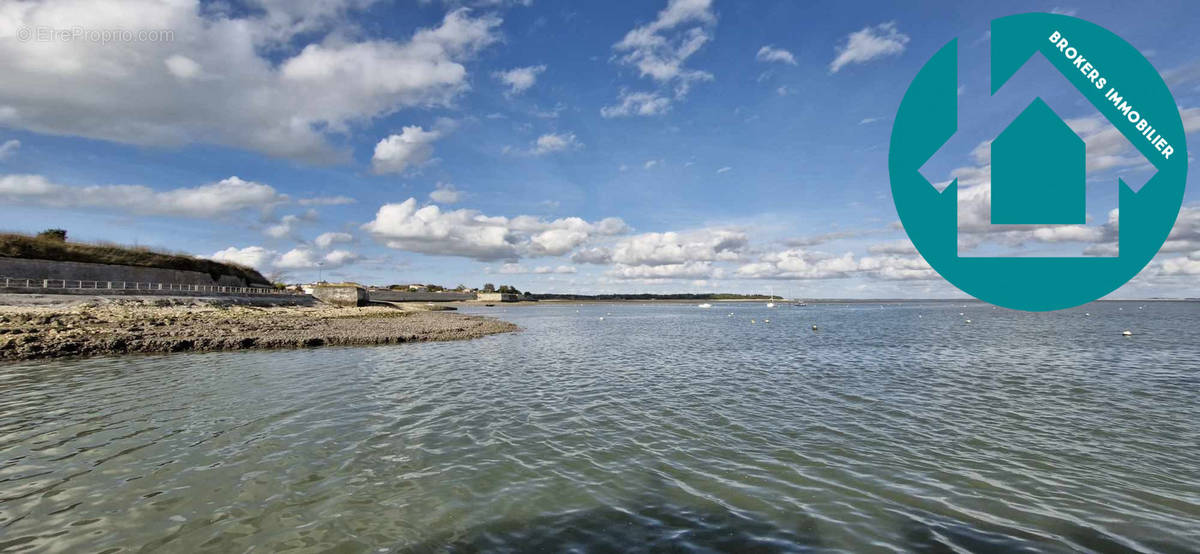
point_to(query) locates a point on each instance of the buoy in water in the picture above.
(752, 321)
(766, 321)
(601, 318)
(1127, 333)
(968, 321)
(814, 327)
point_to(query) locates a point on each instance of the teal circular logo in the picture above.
(1037, 163)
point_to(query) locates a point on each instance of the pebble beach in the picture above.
(95, 327)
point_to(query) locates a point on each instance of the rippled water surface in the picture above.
(663, 427)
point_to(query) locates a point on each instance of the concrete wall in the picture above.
(267, 299)
(76, 271)
(340, 295)
(496, 297)
(406, 296)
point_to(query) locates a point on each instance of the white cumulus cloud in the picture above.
(256, 257)
(9, 148)
(555, 142)
(870, 43)
(803, 264)
(445, 193)
(471, 234)
(211, 200)
(637, 103)
(325, 240)
(226, 77)
(771, 54)
(396, 153)
(671, 248)
(659, 50)
(519, 79)
(517, 269)
(688, 270)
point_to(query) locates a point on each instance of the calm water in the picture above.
(669, 427)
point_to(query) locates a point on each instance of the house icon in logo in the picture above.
(1038, 171)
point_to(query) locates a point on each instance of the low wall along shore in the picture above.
(23, 268)
(341, 295)
(411, 296)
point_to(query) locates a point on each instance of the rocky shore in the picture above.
(119, 326)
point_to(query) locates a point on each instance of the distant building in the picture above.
(410, 287)
(496, 297)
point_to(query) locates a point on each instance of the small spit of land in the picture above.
(106, 326)
(647, 297)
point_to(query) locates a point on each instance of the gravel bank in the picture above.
(106, 327)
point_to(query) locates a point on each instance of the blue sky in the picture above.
(666, 146)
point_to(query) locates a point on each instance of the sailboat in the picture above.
(770, 296)
(798, 302)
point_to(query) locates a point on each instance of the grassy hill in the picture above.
(15, 245)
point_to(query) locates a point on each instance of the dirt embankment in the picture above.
(107, 327)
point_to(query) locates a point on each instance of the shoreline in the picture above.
(809, 302)
(46, 328)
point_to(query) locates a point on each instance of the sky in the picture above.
(656, 146)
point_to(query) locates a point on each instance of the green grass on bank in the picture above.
(52, 248)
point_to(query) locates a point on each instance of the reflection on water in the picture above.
(663, 427)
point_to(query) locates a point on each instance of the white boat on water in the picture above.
(704, 305)
(770, 304)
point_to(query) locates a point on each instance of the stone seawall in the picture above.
(405, 296)
(52, 292)
(78, 271)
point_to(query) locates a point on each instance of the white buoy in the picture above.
(1089, 314)
(601, 318)
(960, 313)
(814, 327)
(766, 321)
(1127, 333)
(968, 321)
(752, 321)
